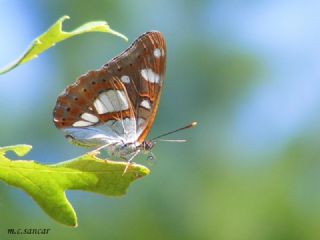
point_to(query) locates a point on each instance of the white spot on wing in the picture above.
(122, 103)
(111, 101)
(150, 75)
(125, 79)
(99, 106)
(141, 125)
(81, 123)
(146, 104)
(157, 53)
(89, 117)
(107, 100)
(141, 121)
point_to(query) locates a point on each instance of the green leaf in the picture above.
(47, 184)
(54, 35)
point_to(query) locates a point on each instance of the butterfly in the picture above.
(114, 107)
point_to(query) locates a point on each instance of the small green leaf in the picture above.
(20, 150)
(47, 184)
(54, 35)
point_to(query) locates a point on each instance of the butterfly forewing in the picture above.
(142, 68)
(121, 97)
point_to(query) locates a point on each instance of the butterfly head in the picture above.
(147, 145)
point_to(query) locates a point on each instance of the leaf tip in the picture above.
(74, 224)
(65, 17)
(118, 34)
(140, 171)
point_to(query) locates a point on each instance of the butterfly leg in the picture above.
(97, 151)
(130, 161)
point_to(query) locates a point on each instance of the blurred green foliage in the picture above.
(248, 171)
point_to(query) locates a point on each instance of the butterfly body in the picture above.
(113, 108)
(127, 150)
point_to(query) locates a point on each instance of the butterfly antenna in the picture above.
(191, 125)
(171, 140)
